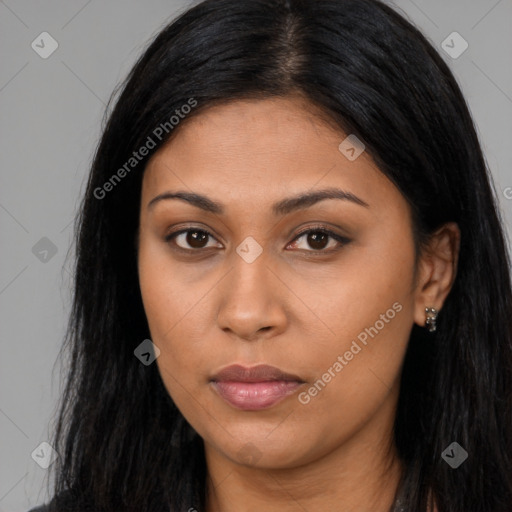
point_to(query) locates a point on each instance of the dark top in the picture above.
(41, 508)
(65, 501)
(399, 507)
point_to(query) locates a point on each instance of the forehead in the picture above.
(259, 151)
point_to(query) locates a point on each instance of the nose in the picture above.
(251, 301)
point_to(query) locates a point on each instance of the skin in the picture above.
(294, 307)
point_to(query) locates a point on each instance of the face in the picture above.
(250, 274)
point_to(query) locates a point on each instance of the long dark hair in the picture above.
(123, 444)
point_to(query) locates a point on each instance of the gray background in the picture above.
(51, 111)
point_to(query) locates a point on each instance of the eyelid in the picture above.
(171, 236)
(343, 240)
(309, 229)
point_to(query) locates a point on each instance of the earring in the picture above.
(431, 319)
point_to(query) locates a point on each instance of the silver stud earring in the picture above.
(431, 314)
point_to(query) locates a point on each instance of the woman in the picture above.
(292, 288)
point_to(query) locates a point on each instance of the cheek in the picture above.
(367, 308)
(178, 309)
(166, 311)
(346, 297)
(168, 301)
(357, 373)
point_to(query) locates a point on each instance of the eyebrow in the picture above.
(283, 207)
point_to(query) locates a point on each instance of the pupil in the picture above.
(317, 240)
(196, 238)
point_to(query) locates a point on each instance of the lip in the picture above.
(259, 373)
(256, 388)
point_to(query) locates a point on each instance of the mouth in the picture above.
(256, 388)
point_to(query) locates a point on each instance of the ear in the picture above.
(437, 268)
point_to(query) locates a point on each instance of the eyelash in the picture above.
(315, 229)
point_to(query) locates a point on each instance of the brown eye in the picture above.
(319, 240)
(191, 239)
(196, 239)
